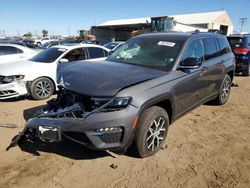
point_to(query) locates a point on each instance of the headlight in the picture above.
(117, 103)
(9, 79)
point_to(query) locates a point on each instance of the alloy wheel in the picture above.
(43, 89)
(156, 134)
(225, 90)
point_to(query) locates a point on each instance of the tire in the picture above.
(152, 131)
(246, 72)
(224, 91)
(39, 44)
(42, 88)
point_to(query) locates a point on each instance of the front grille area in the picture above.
(77, 136)
(111, 137)
(50, 135)
(7, 93)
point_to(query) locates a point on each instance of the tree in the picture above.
(29, 34)
(45, 33)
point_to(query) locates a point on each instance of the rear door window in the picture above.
(8, 50)
(96, 52)
(210, 48)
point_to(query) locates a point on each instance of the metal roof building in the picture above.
(122, 29)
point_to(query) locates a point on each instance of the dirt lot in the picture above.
(209, 147)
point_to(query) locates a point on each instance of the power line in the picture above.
(242, 21)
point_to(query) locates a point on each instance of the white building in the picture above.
(124, 28)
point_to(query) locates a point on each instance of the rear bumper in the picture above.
(242, 63)
(14, 89)
(117, 131)
(241, 67)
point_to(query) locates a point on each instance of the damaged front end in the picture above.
(75, 116)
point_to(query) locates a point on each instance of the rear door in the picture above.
(97, 53)
(10, 53)
(211, 75)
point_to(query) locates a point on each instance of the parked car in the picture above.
(240, 45)
(113, 45)
(51, 43)
(133, 96)
(37, 76)
(40, 42)
(14, 52)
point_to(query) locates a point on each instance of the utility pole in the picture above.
(242, 21)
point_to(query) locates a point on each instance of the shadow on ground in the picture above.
(66, 148)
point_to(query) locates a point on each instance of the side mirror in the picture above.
(63, 60)
(190, 63)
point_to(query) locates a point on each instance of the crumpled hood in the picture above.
(103, 78)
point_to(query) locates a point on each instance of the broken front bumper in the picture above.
(13, 89)
(100, 130)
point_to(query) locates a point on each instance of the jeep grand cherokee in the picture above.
(132, 97)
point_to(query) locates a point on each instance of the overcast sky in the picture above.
(67, 17)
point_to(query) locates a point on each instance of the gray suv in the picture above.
(132, 97)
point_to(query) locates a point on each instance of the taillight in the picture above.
(243, 51)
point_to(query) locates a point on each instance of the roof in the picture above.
(198, 18)
(178, 36)
(24, 48)
(127, 21)
(73, 46)
(195, 18)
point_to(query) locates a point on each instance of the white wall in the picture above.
(185, 28)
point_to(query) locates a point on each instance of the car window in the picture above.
(236, 42)
(8, 50)
(159, 53)
(76, 55)
(210, 47)
(248, 41)
(96, 52)
(49, 55)
(194, 49)
(223, 46)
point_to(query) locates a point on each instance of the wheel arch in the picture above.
(164, 101)
(231, 74)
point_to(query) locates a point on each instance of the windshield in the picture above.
(49, 55)
(154, 53)
(236, 42)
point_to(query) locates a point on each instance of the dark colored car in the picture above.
(131, 98)
(240, 45)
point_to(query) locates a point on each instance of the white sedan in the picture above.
(15, 52)
(37, 77)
